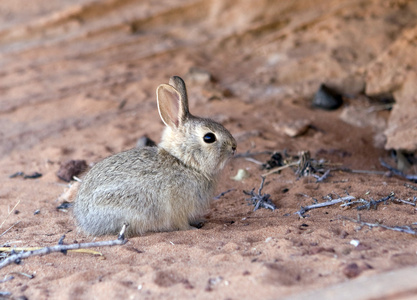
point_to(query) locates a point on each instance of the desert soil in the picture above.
(78, 80)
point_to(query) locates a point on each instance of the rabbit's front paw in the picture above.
(197, 224)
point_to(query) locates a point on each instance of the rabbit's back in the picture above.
(145, 187)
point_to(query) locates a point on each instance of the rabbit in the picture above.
(162, 188)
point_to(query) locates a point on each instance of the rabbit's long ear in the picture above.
(179, 85)
(172, 105)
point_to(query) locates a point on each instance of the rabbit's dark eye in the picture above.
(209, 138)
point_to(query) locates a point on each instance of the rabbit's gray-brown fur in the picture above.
(157, 188)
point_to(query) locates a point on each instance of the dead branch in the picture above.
(10, 212)
(360, 200)
(374, 203)
(20, 249)
(408, 202)
(16, 258)
(302, 164)
(250, 159)
(305, 209)
(348, 203)
(4, 232)
(223, 193)
(322, 177)
(405, 229)
(260, 200)
(6, 279)
(413, 187)
(277, 169)
(397, 172)
(363, 171)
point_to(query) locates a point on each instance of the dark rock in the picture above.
(64, 205)
(70, 169)
(14, 175)
(32, 176)
(351, 270)
(326, 98)
(276, 160)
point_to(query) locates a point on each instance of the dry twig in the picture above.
(20, 249)
(6, 279)
(413, 187)
(7, 230)
(374, 203)
(305, 209)
(277, 169)
(16, 258)
(303, 164)
(260, 200)
(408, 202)
(223, 193)
(322, 177)
(405, 229)
(372, 172)
(398, 172)
(347, 201)
(10, 212)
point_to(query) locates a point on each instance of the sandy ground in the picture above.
(78, 80)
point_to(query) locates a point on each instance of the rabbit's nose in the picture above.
(233, 149)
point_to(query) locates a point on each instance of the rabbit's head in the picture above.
(201, 144)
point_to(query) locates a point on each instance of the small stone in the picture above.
(326, 98)
(276, 160)
(70, 169)
(241, 174)
(293, 129)
(32, 176)
(351, 270)
(65, 205)
(212, 282)
(354, 243)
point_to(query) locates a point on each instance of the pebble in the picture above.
(241, 174)
(326, 98)
(71, 168)
(293, 129)
(351, 270)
